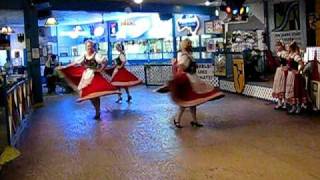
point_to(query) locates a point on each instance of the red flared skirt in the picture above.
(184, 95)
(99, 86)
(124, 78)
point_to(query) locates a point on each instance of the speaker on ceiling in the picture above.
(165, 17)
(235, 4)
(44, 14)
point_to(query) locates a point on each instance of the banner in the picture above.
(287, 37)
(238, 75)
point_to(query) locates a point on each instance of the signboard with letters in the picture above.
(205, 71)
(190, 24)
(287, 37)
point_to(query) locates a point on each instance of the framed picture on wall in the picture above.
(214, 27)
(44, 51)
(220, 66)
(211, 45)
(49, 50)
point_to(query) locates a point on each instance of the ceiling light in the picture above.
(51, 22)
(216, 12)
(207, 3)
(138, 1)
(241, 10)
(98, 31)
(247, 9)
(78, 28)
(6, 30)
(235, 12)
(74, 35)
(228, 10)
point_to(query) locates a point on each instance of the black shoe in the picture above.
(119, 100)
(177, 124)
(278, 107)
(129, 99)
(97, 117)
(196, 124)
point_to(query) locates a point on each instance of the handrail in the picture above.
(18, 105)
(15, 86)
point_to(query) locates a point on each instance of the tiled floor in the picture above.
(243, 138)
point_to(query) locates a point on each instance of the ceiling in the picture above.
(179, 2)
(83, 17)
(15, 17)
(12, 17)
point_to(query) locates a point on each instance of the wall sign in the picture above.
(238, 75)
(35, 53)
(113, 29)
(139, 27)
(190, 23)
(205, 72)
(287, 37)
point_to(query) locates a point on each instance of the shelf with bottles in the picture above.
(239, 41)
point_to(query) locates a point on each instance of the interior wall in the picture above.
(318, 22)
(15, 45)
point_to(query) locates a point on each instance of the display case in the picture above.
(103, 48)
(168, 48)
(135, 50)
(155, 49)
(160, 50)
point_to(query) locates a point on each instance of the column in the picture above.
(174, 42)
(318, 23)
(32, 45)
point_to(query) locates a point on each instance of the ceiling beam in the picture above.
(13, 4)
(119, 6)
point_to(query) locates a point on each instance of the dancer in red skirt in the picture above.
(121, 77)
(84, 76)
(296, 94)
(279, 82)
(187, 90)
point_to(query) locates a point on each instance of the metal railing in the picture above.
(16, 106)
(157, 74)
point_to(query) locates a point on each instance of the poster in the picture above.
(213, 27)
(205, 71)
(35, 53)
(220, 66)
(211, 45)
(287, 23)
(287, 37)
(238, 75)
(44, 51)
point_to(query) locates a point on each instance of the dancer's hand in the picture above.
(59, 67)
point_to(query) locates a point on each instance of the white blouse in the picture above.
(98, 57)
(88, 74)
(184, 60)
